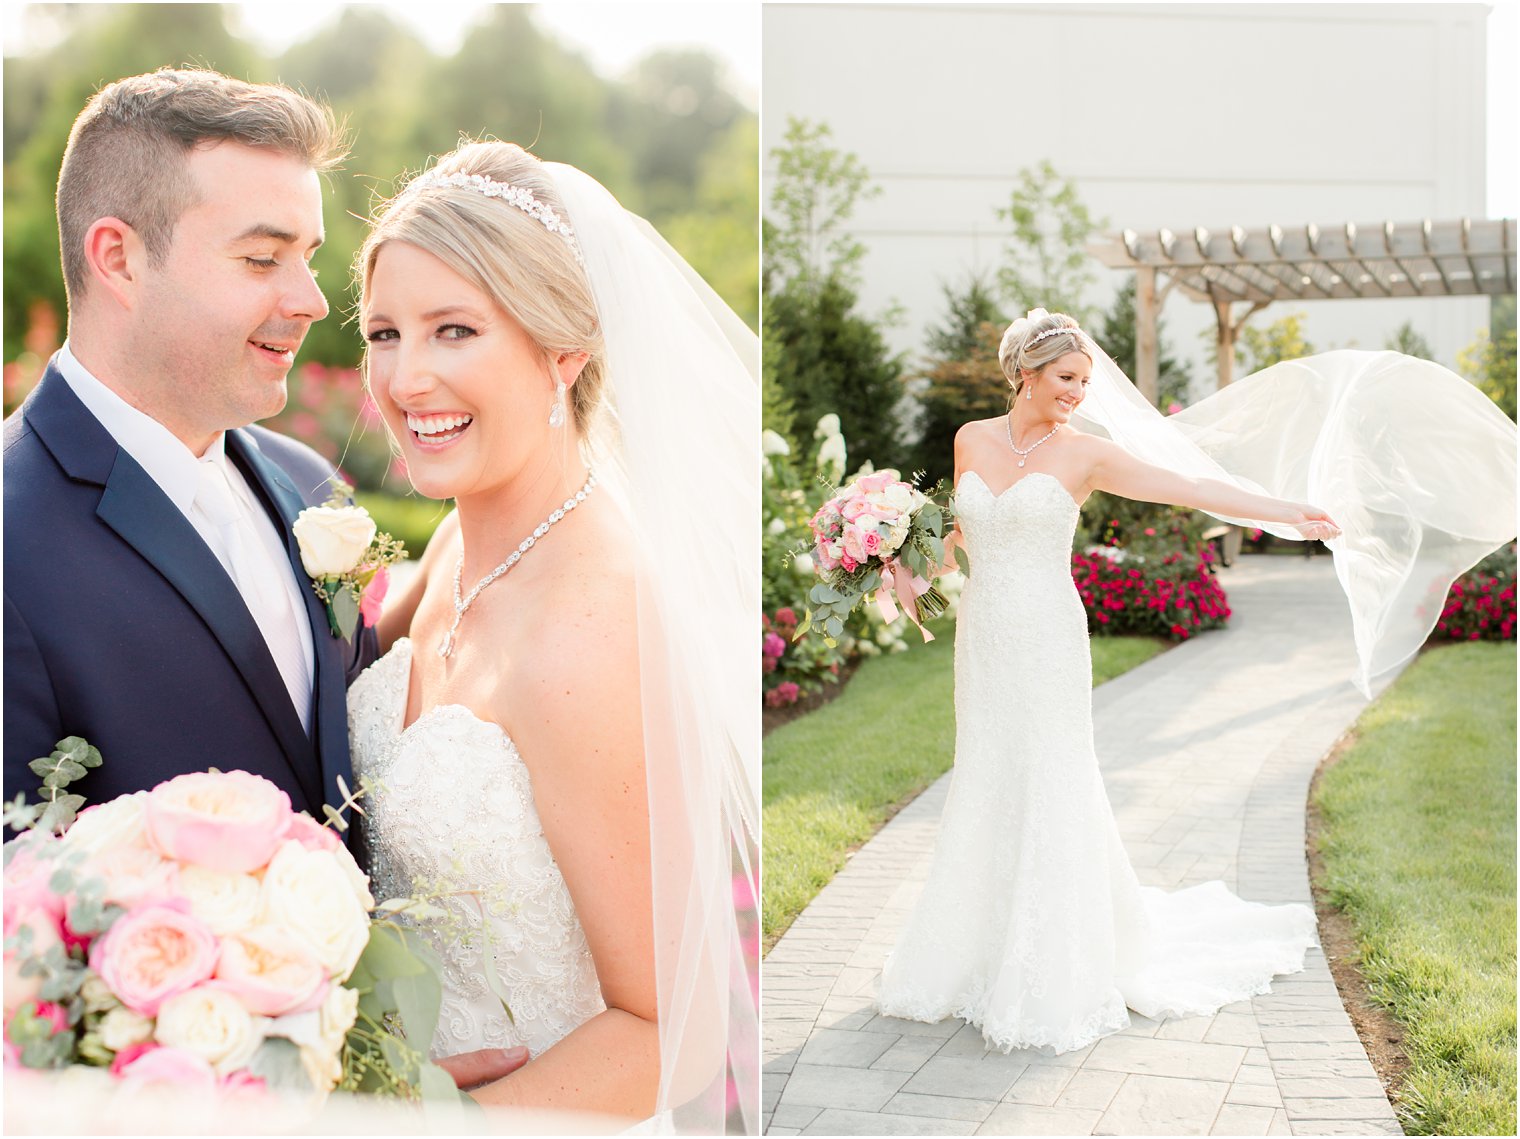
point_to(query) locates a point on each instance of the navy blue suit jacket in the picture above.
(122, 627)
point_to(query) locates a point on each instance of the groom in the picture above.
(155, 601)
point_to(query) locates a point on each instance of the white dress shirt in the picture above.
(172, 465)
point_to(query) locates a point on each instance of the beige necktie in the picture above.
(242, 555)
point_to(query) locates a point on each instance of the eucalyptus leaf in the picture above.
(278, 1063)
(803, 627)
(79, 751)
(436, 1084)
(963, 560)
(345, 613)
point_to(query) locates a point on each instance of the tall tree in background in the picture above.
(1489, 361)
(961, 379)
(669, 139)
(1047, 265)
(1116, 335)
(830, 358)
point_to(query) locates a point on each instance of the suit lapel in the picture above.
(329, 729)
(132, 504)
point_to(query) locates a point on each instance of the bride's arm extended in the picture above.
(1116, 471)
(579, 725)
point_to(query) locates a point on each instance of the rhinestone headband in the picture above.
(1056, 332)
(518, 196)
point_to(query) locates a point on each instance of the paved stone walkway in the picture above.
(1206, 752)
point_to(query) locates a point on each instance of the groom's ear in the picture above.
(115, 256)
(569, 365)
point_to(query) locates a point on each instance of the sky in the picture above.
(614, 35)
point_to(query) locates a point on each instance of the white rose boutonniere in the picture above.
(346, 556)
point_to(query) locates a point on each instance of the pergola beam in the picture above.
(1258, 266)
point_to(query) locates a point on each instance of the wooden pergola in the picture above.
(1254, 267)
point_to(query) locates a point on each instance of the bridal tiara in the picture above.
(518, 196)
(1071, 328)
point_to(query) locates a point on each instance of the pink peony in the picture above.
(130, 1054)
(152, 953)
(172, 1066)
(373, 595)
(229, 821)
(271, 972)
(312, 834)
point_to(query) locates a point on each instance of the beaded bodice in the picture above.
(455, 815)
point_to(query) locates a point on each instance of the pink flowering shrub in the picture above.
(1175, 598)
(787, 669)
(1480, 605)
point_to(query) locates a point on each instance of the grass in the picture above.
(1418, 843)
(835, 775)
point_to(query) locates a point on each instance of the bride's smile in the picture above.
(458, 381)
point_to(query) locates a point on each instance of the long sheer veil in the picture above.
(1413, 462)
(677, 444)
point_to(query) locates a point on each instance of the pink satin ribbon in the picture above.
(908, 588)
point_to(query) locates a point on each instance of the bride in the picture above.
(1033, 925)
(562, 725)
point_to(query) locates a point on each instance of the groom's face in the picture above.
(222, 317)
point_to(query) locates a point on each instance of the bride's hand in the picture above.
(1314, 524)
(471, 1069)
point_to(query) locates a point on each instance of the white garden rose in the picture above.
(900, 496)
(209, 1022)
(333, 539)
(803, 564)
(110, 826)
(225, 903)
(319, 1034)
(121, 1028)
(314, 896)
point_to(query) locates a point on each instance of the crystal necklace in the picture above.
(461, 605)
(1008, 423)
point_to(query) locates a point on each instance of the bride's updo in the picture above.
(1021, 351)
(510, 255)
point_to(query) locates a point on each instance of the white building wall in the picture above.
(1174, 115)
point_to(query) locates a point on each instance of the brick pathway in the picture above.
(1206, 752)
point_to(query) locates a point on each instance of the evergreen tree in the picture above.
(1117, 335)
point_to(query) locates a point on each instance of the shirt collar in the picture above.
(167, 461)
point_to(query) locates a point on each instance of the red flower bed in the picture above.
(1176, 598)
(1480, 607)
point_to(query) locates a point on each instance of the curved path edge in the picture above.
(1207, 752)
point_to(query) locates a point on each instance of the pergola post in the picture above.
(1224, 341)
(1147, 377)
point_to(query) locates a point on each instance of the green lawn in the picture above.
(1418, 843)
(835, 775)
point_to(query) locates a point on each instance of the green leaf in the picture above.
(802, 627)
(76, 749)
(345, 613)
(436, 1084)
(278, 1062)
(963, 560)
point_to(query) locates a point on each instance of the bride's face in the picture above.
(462, 387)
(1061, 386)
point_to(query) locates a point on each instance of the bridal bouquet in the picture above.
(882, 535)
(205, 936)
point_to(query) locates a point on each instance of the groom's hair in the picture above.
(126, 156)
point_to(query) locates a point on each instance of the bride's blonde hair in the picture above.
(1021, 352)
(531, 272)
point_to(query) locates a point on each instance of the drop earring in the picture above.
(557, 412)
(1029, 392)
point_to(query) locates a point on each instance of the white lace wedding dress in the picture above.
(1032, 924)
(456, 810)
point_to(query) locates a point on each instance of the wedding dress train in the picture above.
(1032, 924)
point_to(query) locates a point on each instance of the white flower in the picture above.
(333, 539)
(121, 1028)
(319, 1034)
(97, 994)
(803, 564)
(110, 826)
(868, 648)
(776, 526)
(832, 453)
(316, 897)
(227, 903)
(209, 1022)
(772, 443)
(827, 425)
